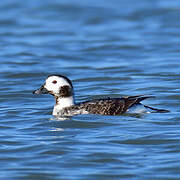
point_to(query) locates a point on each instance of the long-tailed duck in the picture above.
(62, 89)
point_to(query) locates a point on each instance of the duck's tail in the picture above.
(155, 110)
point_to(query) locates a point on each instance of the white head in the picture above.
(61, 88)
(57, 85)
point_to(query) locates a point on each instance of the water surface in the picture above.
(108, 48)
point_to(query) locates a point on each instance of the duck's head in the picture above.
(56, 85)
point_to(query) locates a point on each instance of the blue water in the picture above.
(107, 48)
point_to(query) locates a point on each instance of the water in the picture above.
(108, 48)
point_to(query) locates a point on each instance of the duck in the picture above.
(61, 88)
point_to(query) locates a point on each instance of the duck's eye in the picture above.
(54, 82)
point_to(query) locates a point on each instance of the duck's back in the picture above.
(104, 106)
(114, 106)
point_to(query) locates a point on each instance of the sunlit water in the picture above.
(108, 48)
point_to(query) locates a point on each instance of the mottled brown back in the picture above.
(115, 106)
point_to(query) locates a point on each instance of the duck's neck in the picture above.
(61, 103)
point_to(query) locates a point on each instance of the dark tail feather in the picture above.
(157, 110)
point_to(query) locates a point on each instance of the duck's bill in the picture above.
(41, 90)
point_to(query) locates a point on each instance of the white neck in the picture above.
(62, 103)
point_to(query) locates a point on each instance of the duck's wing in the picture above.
(130, 101)
(115, 106)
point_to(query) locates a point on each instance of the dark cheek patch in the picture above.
(65, 91)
